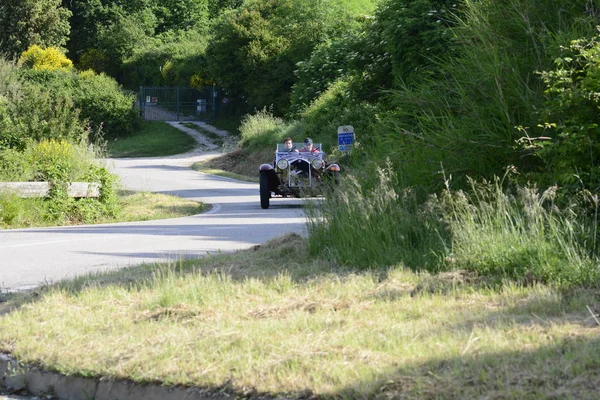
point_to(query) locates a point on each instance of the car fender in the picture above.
(265, 167)
(333, 167)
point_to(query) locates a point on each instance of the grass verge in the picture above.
(271, 321)
(156, 138)
(134, 206)
(145, 206)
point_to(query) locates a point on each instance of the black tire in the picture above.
(265, 193)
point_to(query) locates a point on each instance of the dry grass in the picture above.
(145, 206)
(269, 321)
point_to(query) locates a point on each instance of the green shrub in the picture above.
(519, 234)
(105, 105)
(255, 48)
(28, 22)
(61, 162)
(31, 110)
(93, 101)
(11, 208)
(327, 63)
(15, 166)
(410, 36)
(183, 51)
(263, 130)
(570, 152)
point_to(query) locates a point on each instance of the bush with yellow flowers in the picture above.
(48, 59)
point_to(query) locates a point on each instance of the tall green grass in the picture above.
(514, 234)
(521, 236)
(467, 116)
(377, 225)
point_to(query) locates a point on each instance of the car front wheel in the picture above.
(265, 193)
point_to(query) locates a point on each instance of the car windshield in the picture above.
(282, 149)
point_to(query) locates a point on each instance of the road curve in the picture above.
(30, 257)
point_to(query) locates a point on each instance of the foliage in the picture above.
(256, 47)
(410, 36)
(338, 106)
(106, 34)
(122, 35)
(15, 166)
(263, 130)
(466, 117)
(569, 129)
(30, 111)
(27, 22)
(104, 105)
(56, 162)
(169, 60)
(98, 101)
(217, 7)
(45, 59)
(179, 15)
(523, 237)
(328, 62)
(60, 162)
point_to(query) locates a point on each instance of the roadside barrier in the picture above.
(41, 189)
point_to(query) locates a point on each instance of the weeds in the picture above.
(519, 235)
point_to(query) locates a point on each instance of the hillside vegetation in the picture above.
(477, 130)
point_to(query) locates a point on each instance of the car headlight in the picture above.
(317, 163)
(282, 164)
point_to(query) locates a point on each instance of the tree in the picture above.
(27, 22)
(217, 7)
(175, 15)
(256, 47)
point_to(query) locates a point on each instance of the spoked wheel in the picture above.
(265, 193)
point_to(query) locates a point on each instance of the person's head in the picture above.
(287, 142)
(308, 143)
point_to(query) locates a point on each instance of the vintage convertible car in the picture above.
(296, 174)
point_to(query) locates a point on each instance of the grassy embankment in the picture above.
(272, 321)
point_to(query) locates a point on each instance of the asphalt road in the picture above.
(30, 257)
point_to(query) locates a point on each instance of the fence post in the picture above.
(142, 104)
(214, 101)
(177, 97)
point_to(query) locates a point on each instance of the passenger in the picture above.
(289, 145)
(308, 147)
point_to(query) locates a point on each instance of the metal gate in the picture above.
(177, 103)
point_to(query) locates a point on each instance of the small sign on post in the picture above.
(345, 138)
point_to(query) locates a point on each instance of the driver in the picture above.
(289, 145)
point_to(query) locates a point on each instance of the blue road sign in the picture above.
(345, 138)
